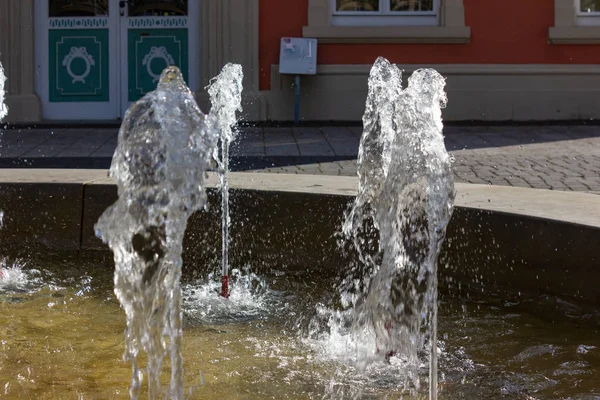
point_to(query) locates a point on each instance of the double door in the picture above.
(96, 57)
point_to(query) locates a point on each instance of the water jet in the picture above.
(509, 323)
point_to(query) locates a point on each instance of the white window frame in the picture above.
(450, 28)
(569, 28)
(385, 17)
(586, 18)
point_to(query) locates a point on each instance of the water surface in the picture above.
(61, 336)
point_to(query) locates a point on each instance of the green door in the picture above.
(158, 35)
(79, 77)
(96, 57)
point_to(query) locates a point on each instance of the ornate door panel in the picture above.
(159, 34)
(76, 73)
(95, 57)
(79, 69)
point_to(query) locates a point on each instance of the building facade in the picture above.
(504, 60)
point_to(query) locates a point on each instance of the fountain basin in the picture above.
(521, 239)
(519, 306)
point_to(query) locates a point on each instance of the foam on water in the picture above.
(251, 298)
(15, 277)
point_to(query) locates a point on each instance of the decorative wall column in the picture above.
(229, 33)
(17, 54)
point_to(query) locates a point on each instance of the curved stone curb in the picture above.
(573, 207)
(515, 238)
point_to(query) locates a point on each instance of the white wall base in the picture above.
(475, 92)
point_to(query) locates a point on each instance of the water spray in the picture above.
(164, 149)
(225, 92)
(406, 192)
(3, 112)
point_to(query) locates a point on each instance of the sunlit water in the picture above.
(225, 93)
(3, 107)
(61, 336)
(397, 225)
(164, 150)
(14, 278)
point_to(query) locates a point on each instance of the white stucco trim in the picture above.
(570, 28)
(451, 27)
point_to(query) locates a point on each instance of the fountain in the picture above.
(226, 98)
(164, 150)
(3, 112)
(397, 222)
(375, 335)
(3, 108)
(405, 189)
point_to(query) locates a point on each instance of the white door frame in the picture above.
(118, 66)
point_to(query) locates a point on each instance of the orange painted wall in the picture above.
(502, 32)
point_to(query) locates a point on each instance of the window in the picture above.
(387, 21)
(77, 8)
(575, 22)
(588, 13)
(384, 12)
(140, 8)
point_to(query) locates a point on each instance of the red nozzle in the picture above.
(224, 286)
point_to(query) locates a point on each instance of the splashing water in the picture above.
(165, 146)
(374, 153)
(404, 203)
(251, 298)
(415, 208)
(3, 107)
(15, 278)
(3, 112)
(226, 98)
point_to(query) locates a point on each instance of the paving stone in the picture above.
(77, 151)
(7, 151)
(249, 142)
(341, 139)
(280, 142)
(357, 131)
(104, 151)
(247, 148)
(312, 142)
(552, 157)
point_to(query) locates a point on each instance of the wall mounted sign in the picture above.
(298, 56)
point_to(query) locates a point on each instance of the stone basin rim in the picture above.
(569, 207)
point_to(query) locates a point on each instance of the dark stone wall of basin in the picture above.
(284, 229)
(296, 231)
(41, 214)
(506, 251)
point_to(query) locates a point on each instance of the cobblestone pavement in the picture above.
(549, 157)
